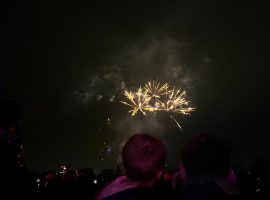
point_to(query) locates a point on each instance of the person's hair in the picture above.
(143, 157)
(206, 156)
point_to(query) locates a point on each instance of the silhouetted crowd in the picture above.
(205, 171)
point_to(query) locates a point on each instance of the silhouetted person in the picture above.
(205, 171)
(143, 158)
(14, 177)
(87, 186)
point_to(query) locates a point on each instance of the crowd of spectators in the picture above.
(205, 171)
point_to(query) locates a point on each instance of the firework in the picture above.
(177, 103)
(139, 101)
(155, 89)
(154, 98)
(158, 97)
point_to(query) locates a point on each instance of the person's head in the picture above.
(143, 157)
(70, 176)
(205, 156)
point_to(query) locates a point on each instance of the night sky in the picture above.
(67, 64)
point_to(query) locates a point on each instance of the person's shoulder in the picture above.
(205, 191)
(137, 193)
(111, 188)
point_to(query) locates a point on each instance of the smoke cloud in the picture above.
(153, 57)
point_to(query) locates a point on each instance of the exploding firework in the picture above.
(139, 101)
(177, 103)
(158, 97)
(155, 89)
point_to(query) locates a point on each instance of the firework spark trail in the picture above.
(176, 122)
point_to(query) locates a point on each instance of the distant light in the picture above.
(95, 181)
(38, 182)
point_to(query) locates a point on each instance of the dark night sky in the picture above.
(66, 64)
